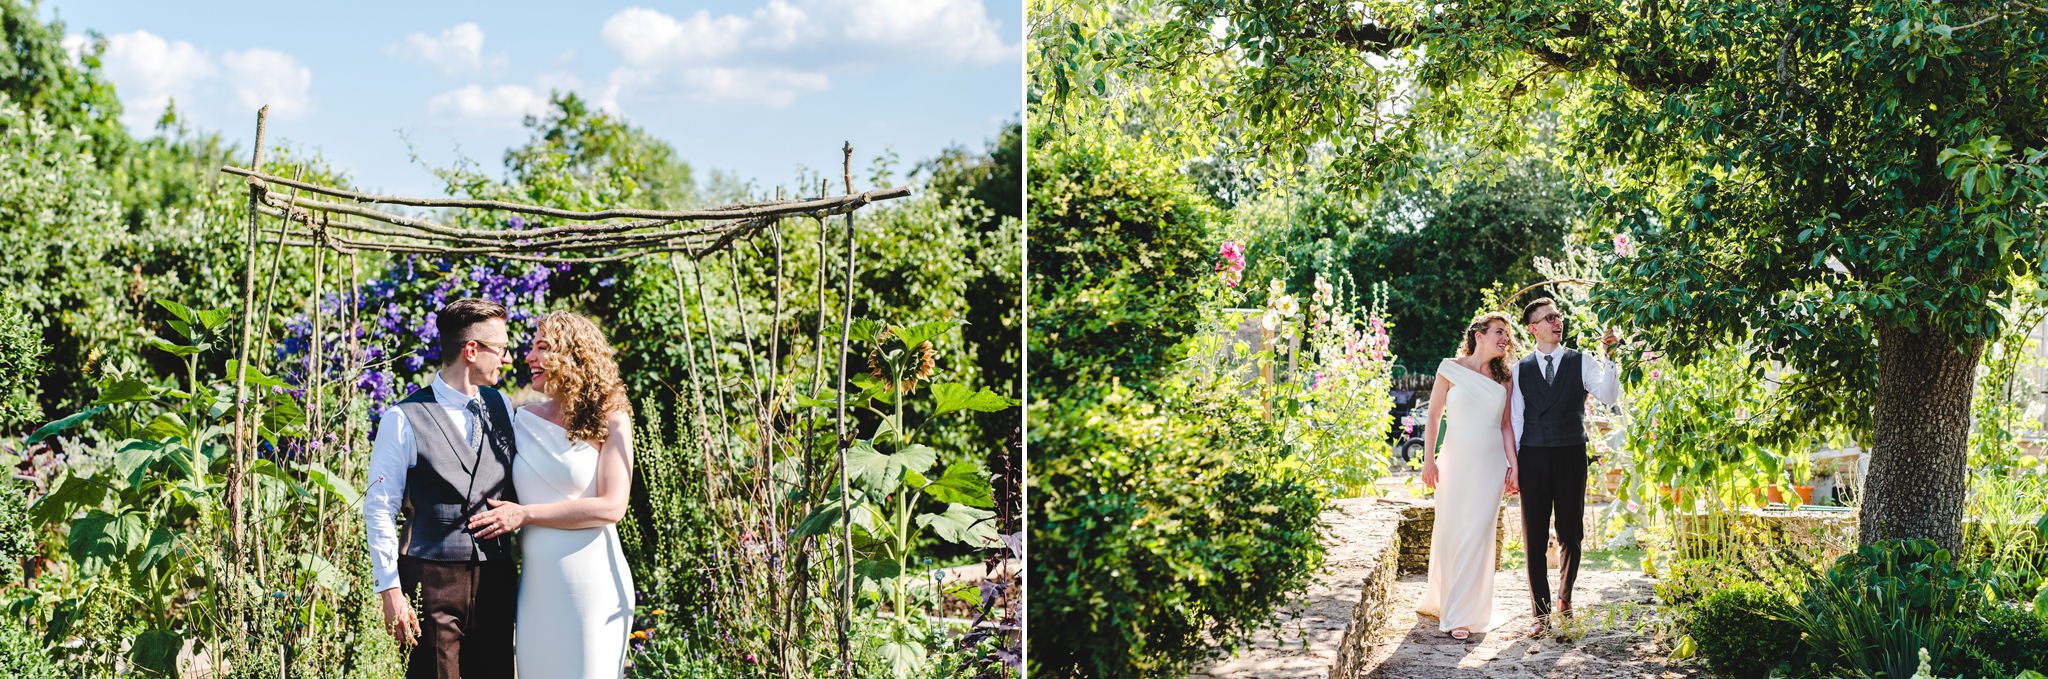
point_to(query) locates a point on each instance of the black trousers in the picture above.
(1553, 482)
(466, 613)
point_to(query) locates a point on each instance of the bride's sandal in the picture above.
(1461, 634)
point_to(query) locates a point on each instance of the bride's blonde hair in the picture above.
(1499, 365)
(582, 378)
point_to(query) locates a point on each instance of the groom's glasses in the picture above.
(495, 347)
(1549, 318)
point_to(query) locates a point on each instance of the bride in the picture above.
(571, 471)
(1479, 465)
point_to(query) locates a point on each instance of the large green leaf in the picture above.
(963, 524)
(883, 473)
(255, 378)
(214, 318)
(71, 494)
(127, 390)
(98, 537)
(157, 651)
(871, 575)
(864, 330)
(159, 545)
(54, 428)
(820, 522)
(134, 458)
(963, 483)
(952, 396)
(184, 313)
(904, 660)
(173, 348)
(922, 332)
(322, 573)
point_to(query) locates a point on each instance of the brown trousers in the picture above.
(466, 613)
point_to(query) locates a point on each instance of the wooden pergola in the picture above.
(325, 219)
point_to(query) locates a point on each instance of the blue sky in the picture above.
(754, 87)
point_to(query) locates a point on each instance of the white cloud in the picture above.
(149, 72)
(504, 105)
(770, 87)
(960, 30)
(459, 49)
(646, 37)
(753, 57)
(261, 77)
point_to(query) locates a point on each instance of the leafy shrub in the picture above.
(17, 536)
(21, 653)
(2003, 641)
(1742, 630)
(21, 365)
(1120, 243)
(1159, 532)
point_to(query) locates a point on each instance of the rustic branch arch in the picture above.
(345, 223)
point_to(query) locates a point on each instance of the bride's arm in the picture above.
(1507, 437)
(606, 507)
(1437, 393)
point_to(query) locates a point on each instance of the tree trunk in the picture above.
(1920, 438)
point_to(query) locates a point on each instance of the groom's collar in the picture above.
(447, 395)
(1558, 352)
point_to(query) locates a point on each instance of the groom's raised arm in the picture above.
(390, 457)
(1602, 380)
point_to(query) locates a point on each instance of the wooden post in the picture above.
(256, 190)
(845, 492)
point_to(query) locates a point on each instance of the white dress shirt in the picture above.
(1601, 381)
(391, 456)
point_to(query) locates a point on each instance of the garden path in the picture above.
(1609, 637)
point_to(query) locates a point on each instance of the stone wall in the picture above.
(1418, 519)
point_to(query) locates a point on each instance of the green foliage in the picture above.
(22, 655)
(21, 366)
(1742, 630)
(1161, 528)
(37, 71)
(18, 541)
(2003, 641)
(1437, 241)
(1120, 245)
(1876, 609)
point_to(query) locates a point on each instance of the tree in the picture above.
(42, 76)
(1850, 187)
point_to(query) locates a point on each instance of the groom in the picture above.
(443, 451)
(1548, 415)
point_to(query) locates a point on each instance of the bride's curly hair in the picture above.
(582, 378)
(1499, 365)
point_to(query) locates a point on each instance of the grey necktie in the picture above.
(476, 423)
(1549, 372)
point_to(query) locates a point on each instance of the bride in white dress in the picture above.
(574, 453)
(1478, 466)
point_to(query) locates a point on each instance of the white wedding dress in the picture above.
(1471, 468)
(575, 593)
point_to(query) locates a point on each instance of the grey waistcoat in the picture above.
(449, 481)
(1553, 414)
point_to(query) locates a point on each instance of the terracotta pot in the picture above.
(1805, 494)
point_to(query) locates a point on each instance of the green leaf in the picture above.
(923, 332)
(952, 396)
(99, 537)
(963, 483)
(254, 377)
(183, 312)
(963, 524)
(872, 574)
(157, 651)
(172, 348)
(160, 543)
(904, 660)
(322, 573)
(820, 522)
(865, 330)
(71, 494)
(319, 478)
(214, 318)
(128, 390)
(58, 426)
(883, 473)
